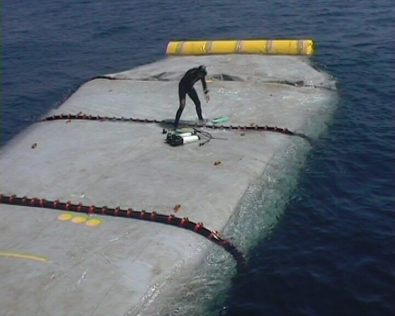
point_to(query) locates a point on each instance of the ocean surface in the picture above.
(333, 249)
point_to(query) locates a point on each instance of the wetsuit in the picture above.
(186, 87)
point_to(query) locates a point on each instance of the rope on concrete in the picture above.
(252, 127)
(185, 223)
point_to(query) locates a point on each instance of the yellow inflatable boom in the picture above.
(272, 47)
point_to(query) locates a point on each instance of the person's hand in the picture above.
(207, 97)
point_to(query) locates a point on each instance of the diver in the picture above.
(186, 87)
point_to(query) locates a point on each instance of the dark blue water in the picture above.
(333, 250)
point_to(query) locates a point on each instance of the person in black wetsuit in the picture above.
(186, 87)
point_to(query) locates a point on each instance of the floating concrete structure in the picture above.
(55, 262)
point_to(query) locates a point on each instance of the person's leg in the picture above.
(193, 95)
(181, 95)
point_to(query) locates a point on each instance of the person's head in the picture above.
(202, 70)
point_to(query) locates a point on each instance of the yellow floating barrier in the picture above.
(258, 46)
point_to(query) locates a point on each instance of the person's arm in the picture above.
(205, 90)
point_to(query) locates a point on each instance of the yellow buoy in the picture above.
(256, 46)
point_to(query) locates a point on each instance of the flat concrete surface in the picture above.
(123, 266)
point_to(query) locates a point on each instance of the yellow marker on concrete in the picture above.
(93, 222)
(23, 256)
(79, 219)
(65, 217)
(257, 46)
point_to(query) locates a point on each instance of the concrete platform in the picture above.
(130, 267)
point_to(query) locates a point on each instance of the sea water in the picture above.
(330, 251)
